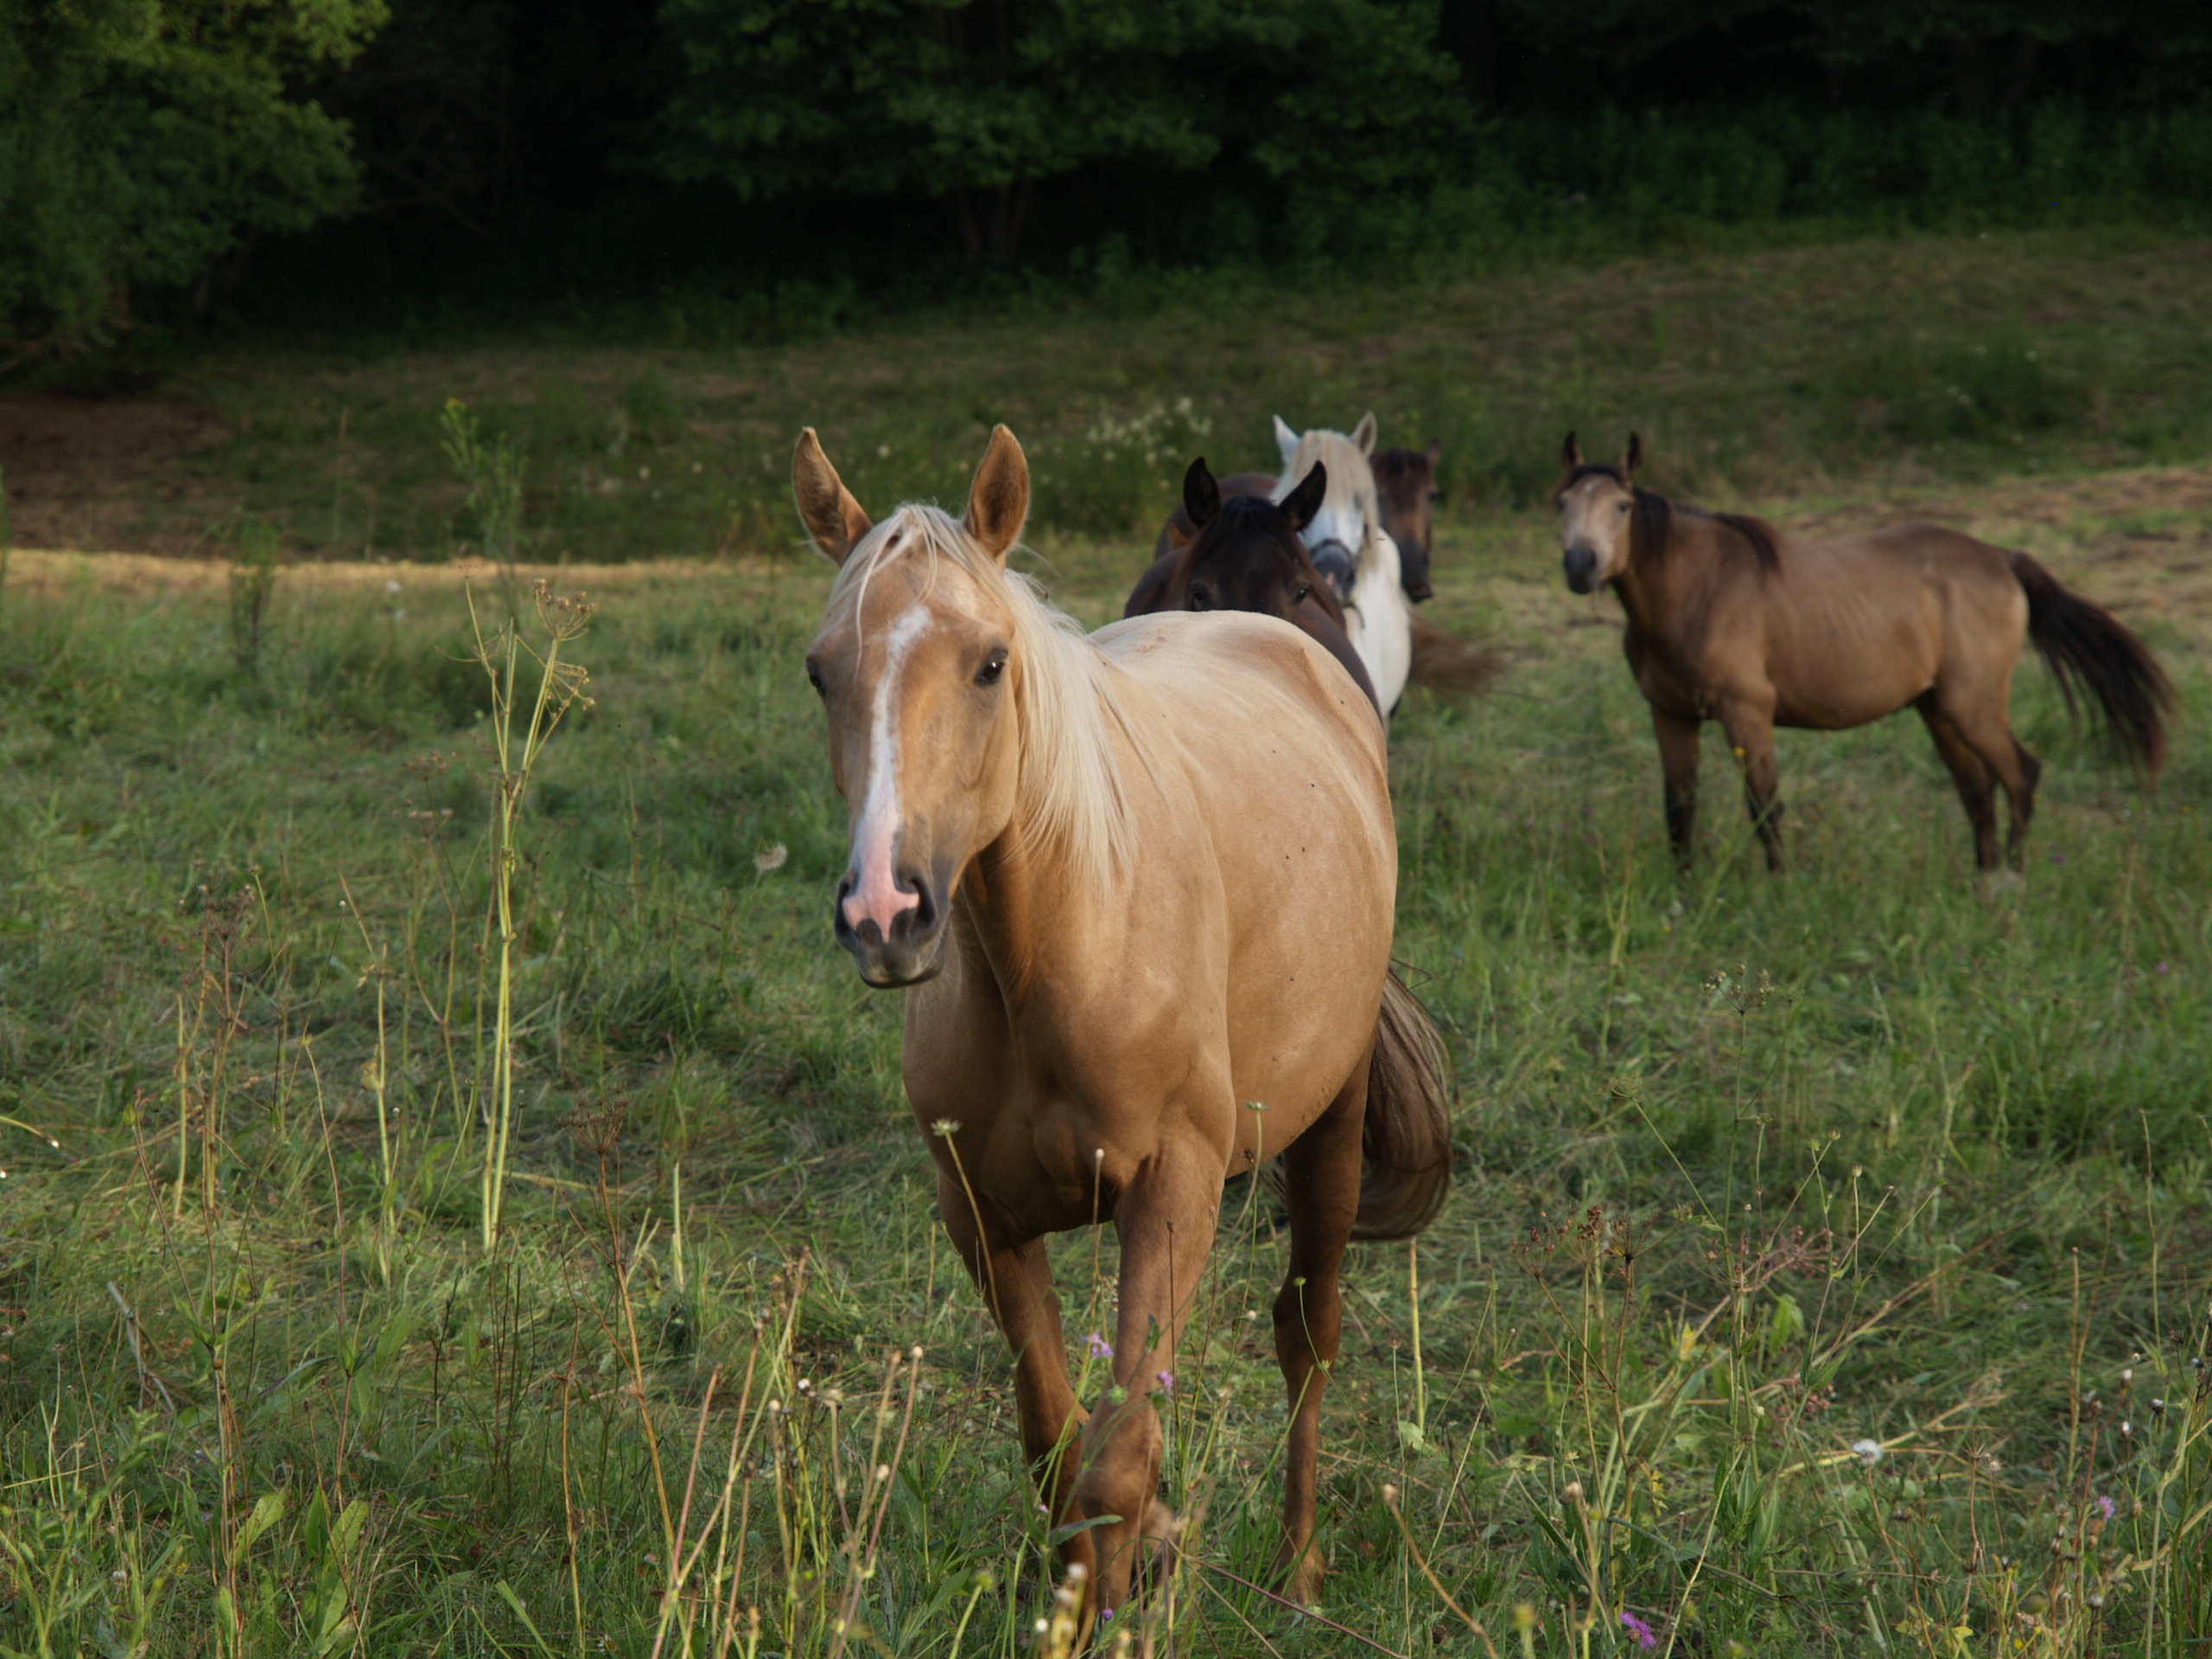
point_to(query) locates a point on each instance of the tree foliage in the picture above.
(977, 102)
(141, 141)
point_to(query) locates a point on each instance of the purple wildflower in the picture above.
(1100, 1348)
(1644, 1635)
(2106, 1508)
(1166, 1381)
(2162, 968)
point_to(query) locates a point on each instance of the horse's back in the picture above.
(1858, 624)
(1221, 678)
(1267, 795)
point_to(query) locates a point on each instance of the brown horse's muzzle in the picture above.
(914, 949)
(1582, 567)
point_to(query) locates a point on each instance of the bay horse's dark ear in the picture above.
(834, 520)
(1435, 453)
(1634, 459)
(1570, 452)
(1201, 495)
(998, 501)
(1302, 503)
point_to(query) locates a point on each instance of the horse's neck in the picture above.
(1378, 589)
(1380, 621)
(1650, 591)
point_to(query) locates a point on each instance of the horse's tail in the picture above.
(1444, 662)
(1405, 1149)
(2077, 638)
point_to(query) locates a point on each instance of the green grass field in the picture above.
(1829, 1261)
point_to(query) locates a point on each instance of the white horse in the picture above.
(1352, 550)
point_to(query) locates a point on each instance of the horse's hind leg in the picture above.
(1016, 1281)
(1678, 746)
(1977, 785)
(1981, 724)
(1321, 1182)
(1751, 737)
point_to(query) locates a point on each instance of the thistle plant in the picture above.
(563, 617)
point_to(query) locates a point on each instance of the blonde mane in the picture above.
(1069, 796)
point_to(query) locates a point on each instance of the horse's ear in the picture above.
(1570, 453)
(1302, 503)
(1286, 440)
(833, 519)
(998, 501)
(1634, 458)
(1363, 435)
(1435, 453)
(1201, 495)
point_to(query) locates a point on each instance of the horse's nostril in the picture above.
(923, 916)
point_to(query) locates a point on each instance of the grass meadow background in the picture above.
(1827, 1268)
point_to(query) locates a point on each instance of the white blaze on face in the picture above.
(875, 895)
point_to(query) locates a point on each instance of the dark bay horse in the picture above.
(1406, 495)
(1405, 486)
(1247, 557)
(1731, 619)
(1080, 857)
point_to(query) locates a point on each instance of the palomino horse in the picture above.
(1247, 557)
(1351, 548)
(1731, 619)
(1081, 854)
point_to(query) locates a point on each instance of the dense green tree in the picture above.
(142, 140)
(977, 103)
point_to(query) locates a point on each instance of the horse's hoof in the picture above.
(1162, 1529)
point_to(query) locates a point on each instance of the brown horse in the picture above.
(1731, 619)
(1406, 494)
(1405, 484)
(1247, 557)
(1081, 854)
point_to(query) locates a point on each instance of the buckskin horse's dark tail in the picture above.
(2079, 638)
(1405, 1149)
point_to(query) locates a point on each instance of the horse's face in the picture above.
(914, 665)
(1405, 484)
(1596, 506)
(1349, 518)
(1247, 556)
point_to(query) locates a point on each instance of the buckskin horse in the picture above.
(1732, 619)
(1075, 853)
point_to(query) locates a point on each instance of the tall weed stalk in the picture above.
(563, 617)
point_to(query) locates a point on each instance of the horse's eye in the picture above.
(1201, 599)
(814, 679)
(1303, 592)
(1620, 507)
(993, 666)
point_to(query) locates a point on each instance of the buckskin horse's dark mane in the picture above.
(1653, 519)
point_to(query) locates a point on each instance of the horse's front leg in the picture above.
(1016, 1281)
(1165, 1219)
(1678, 747)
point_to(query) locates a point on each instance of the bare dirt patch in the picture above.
(79, 468)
